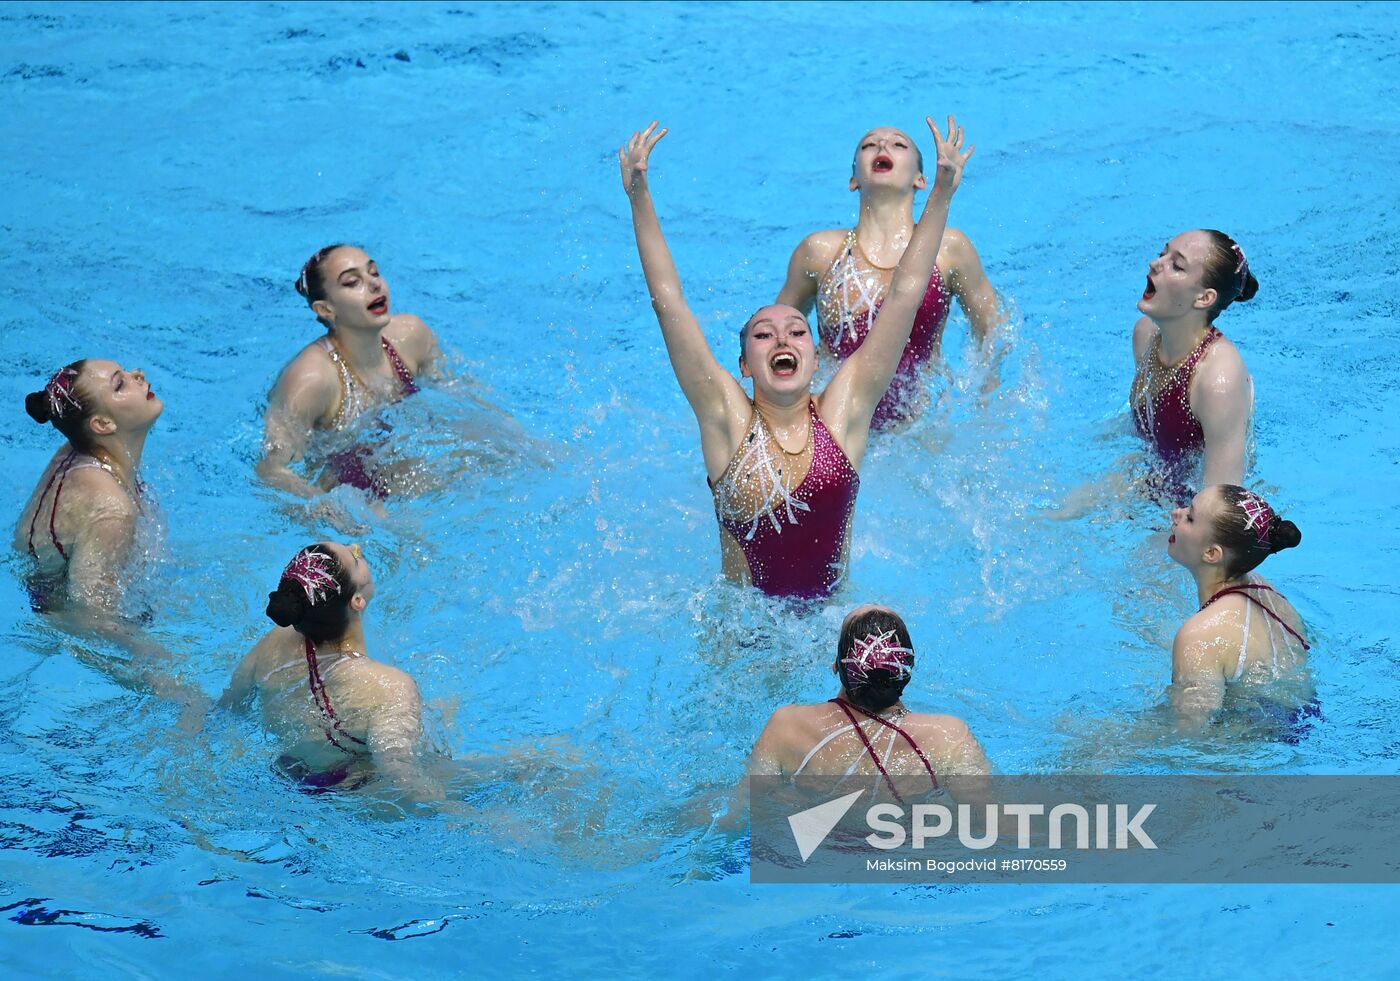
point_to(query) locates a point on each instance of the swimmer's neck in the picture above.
(781, 414)
(884, 713)
(886, 221)
(363, 349)
(1180, 335)
(121, 453)
(1210, 580)
(351, 642)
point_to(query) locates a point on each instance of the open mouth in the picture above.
(150, 394)
(1171, 540)
(379, 306)
(882, 164)
(1150, 291)
(783, 364)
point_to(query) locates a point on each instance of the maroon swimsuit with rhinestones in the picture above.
(796, 545)
(843, 329)
(1165, 419)
(352, 466)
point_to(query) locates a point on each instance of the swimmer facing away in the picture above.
(1245, 634)
(846, 273)
(866, 729)
(1191, 393)
(784, 466)
(367, 357)
(344, 718)
(79, 526)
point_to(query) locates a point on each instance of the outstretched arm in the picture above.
(710, 390)
(862, 379)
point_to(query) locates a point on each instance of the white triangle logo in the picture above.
(810, 827)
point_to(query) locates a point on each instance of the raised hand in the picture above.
(951, 158)
(633, 156)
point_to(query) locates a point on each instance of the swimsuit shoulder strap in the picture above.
(347, 380)
(400, 369)
(322, 699)
(59, 472)
(875, 757)
(1244, 642)
(817, 748)
(1246, 590)
(907, 738)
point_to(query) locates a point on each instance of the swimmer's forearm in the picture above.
(663, 279)
(916, 265)
(284, 478)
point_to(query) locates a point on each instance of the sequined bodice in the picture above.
(354, 399)
(1161, 399)
(793, 530)
(848, 296)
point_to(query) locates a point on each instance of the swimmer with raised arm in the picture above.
(784, 466)
(1191, 393)
(344, 718)
(1245, 634)
(846, 273)
(79, 526)
(866, 729)
(367, 357)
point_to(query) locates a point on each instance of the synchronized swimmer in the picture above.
(343, 717)
(782, 466)
(866, 729)
(1192, 393)
(367, 357)
(847, 273)
(80, 523)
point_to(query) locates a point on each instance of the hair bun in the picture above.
(37, 405)
(287, 605)
(1251, 286)
(1284, 534)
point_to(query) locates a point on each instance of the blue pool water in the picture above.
(554, 586)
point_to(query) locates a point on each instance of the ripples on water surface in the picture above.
(169, 167)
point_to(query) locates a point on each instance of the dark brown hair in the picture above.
(880, 688)
(289, 606)
(312, 281)
(75, 406)
(1238, 530)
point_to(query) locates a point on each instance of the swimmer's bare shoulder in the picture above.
(273, 650)
(413, 339)
(308, 388)
(818, 250)
(949, 743)
(1208, 641)
(789, 729)
(812, 257)
(1220, 365)
(956, 253)
(1143, 332)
